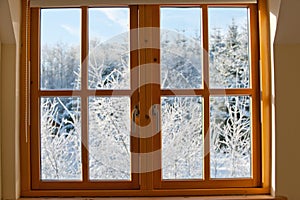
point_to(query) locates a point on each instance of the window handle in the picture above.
(155, 112)
(135, 113)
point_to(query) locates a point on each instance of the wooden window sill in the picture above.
(240, 197)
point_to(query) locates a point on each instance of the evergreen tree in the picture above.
(229, 63)
(230, 116)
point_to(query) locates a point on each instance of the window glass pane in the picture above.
(60, 49)
(182, 142)
(229, 48)
(181, 48)
(109, 138)
(109, 52)
(230, 129)
(60, 125)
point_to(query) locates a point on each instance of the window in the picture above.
(144, 100)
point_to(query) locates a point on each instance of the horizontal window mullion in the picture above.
(225, 92)
(86, 93)
(189, 92)
(202, 92)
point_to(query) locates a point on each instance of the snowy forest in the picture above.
(181, 117)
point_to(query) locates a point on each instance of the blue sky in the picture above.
(63, 25)
(178, 19)
(106, 23)
(59, 25)
(222, 17)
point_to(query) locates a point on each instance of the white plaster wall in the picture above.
(287, 73)
(287, 90)
(8, 128)
(10, 26)
(287, 82)
(0, 126)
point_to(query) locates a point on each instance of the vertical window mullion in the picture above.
(34, 97)
(148, 41)
(134, 87)
(84, 98)
(255, 82)
(155, 94)
(206, 105)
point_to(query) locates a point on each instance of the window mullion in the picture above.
(149, 91)
(206, 118)
(134, 85)
(144, 183)
(34, 97)
(84, 98)
(255, 82)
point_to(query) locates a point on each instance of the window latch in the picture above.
(155, 112)
(135, 114)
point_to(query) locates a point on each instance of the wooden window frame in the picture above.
(206, 93)
(148, 182)
(83, 93)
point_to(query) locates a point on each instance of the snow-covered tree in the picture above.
(60, 139)
(56, 61)
(109, 138)
(182, 142)
(230, 115)
(229, 57)
(109, 119)
(181, 60)
(109, 63)
(231, 138)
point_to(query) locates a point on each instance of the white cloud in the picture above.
(117, 15)
(71, 30)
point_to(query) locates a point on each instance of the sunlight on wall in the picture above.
(274, 6)
(273, 22)
(273, 25)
